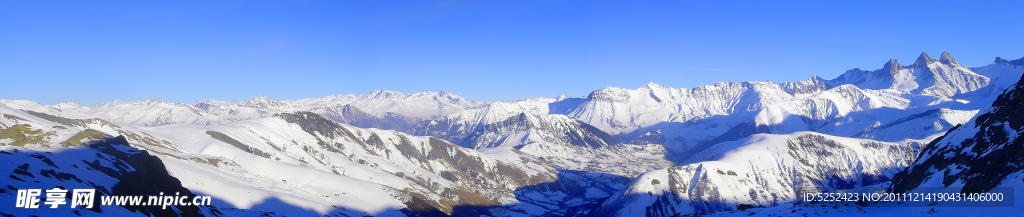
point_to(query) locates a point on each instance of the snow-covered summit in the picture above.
(399, 108)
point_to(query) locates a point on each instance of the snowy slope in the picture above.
(698, 117)
(352, 163)
(977, 156)
(559, 140)
(762, 170)
(919, 96)
(943, 78)
(379, 108)
(982, 155)
(546, 156)
(619, 110)
(312, 165)
(43, 154)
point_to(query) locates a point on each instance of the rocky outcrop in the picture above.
(979, 154)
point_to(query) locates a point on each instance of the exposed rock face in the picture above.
(947, 59)
(979, 154)
(1017, 62)
(924, 60)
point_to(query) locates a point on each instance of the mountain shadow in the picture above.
(110, 166)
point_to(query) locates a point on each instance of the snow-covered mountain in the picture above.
(726, 175)
(313, 165)
(761, 170)
(378, 109)
(929, 95)
(944, 78)
(109, 166)
(983, 153)
(654, 150)
(559, 140)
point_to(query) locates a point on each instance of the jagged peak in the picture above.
(922, 60)
(893, 66)
(947, 59)
(613, 94)
(446, 93)
(111, 103)
(1017, 62)
(450, 96)
(814, 79)
(426, 93)
(260, 98)
(207, 101)
(68, 104)
(653, 85)
(610, 88)
(154, 100)
(385, 94)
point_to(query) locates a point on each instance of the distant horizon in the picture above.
(92, 52)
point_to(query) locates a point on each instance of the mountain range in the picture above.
(654, 150)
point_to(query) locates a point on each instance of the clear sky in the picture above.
(181, 51)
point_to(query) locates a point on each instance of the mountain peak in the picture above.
(922, 60)
(1017, 62)
(117, 102)
(68, 104)
(892, 66)
(261, 98)
(610, 94)
(385, 94)
(154, 101)
(653, 85)
(947, 59)
(206, 101)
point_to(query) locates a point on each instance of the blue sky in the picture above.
(181, 51)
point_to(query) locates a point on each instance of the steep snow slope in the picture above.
(353, 162)
(109, 166)
(79, 154)
(944, 78)
(761, 170)
(558, 140)
(619, 110)
(699, 117)
(982, 155)
(978, 156)
(313, 165)
(920, 96)
(223, 144)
